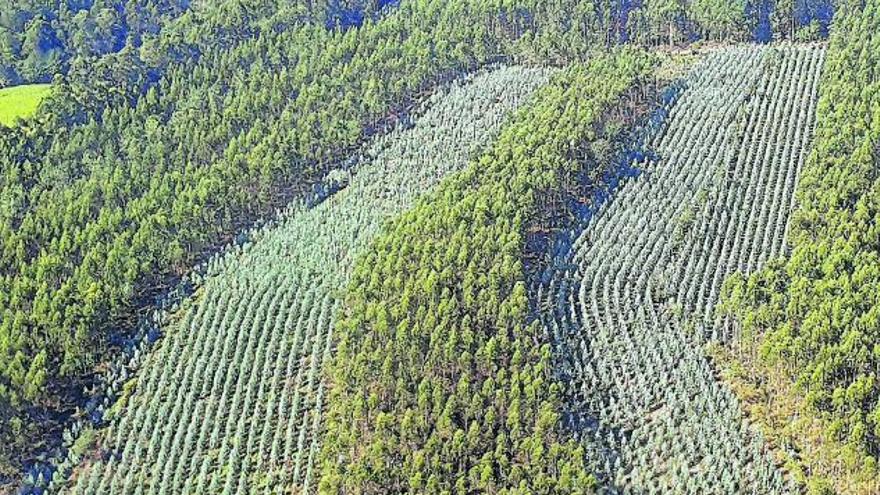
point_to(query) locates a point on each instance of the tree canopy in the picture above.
(171, 125)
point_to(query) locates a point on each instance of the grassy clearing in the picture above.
(21, 101)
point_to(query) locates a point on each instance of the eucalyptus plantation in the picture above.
(632, 304)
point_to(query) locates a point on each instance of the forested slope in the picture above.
(810, 320)
(231, 400)
(441, 380)
(118, 187)
(39, 39)
(42, 39)
(144, 160)
(706, 191)
(173, 125)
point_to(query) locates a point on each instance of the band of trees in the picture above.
(439, 383)
(815, 315)
(39, 39)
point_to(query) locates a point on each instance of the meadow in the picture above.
(19, 102)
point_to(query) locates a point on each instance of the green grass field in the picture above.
(21, 101)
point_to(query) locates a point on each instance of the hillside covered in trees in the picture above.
(41, 39)
(437, 383)
(448, 346)
(810, 319)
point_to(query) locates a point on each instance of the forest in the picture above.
(173, 127)
(811, 316)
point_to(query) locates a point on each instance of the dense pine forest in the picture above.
(424, 246)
